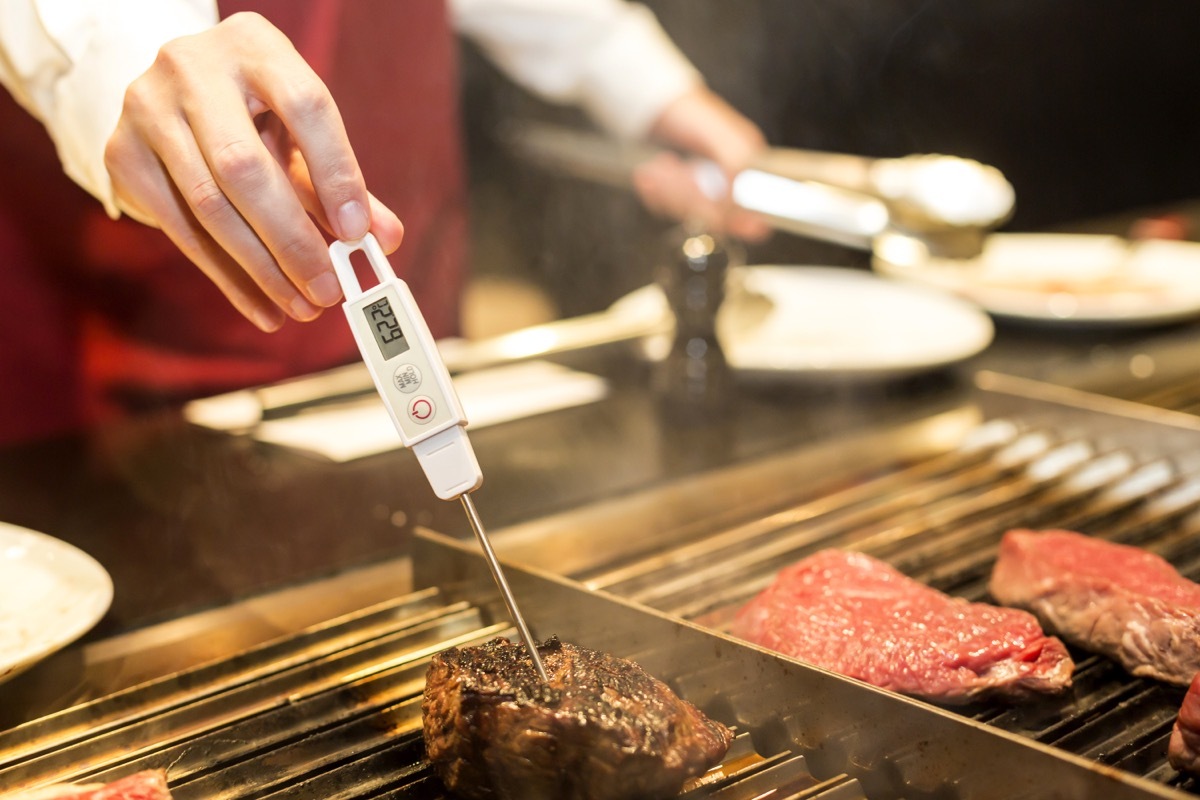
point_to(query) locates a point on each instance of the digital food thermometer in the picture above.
(404, 362)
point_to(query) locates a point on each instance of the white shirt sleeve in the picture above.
(68, 62)
(610, 57)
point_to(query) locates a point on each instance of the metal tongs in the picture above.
(948, 203)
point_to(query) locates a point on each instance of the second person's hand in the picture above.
(703, 124)
(228, 143)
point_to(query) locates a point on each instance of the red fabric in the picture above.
(99, 317)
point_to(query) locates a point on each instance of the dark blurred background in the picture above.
(1088, 108)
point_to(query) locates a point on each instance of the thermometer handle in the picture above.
(404, 362)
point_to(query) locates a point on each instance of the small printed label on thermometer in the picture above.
(407, 378)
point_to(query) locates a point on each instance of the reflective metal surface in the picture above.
(1046, 457)
(893, 746)
(333, 709)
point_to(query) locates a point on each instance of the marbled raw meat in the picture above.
(1109, 598)
(858, 616)
(1183, 751)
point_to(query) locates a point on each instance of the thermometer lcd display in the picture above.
(385, 326)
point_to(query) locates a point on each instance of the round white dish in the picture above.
(1071, 279)
(51, 593)
(781, 322)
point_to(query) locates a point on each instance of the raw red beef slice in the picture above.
(145, 785)
(1184, 749)
(853, 614)
(1121, 601)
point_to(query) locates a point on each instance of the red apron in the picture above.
(98, 317)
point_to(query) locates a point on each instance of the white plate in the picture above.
(1078, 279)
(51, 593)
(782, 321)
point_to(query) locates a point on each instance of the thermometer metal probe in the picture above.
(415, 386)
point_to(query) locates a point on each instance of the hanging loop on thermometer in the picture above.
(404, 362)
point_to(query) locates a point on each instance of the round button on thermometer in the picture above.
(421, 409)
(407, 378)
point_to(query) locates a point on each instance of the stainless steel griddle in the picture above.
(333, 711)
(1040, 456)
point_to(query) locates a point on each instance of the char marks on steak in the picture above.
(602, 728)
(855, 615)
(1183, 751)
(1109, 598)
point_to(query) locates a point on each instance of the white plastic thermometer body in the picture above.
(415, 386)
(403, 360)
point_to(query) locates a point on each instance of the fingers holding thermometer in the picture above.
(233, 146)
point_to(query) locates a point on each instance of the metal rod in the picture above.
(502, 583)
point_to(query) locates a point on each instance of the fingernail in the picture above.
(352, 220)
(324, 289)
(267, 321)
(302, 309)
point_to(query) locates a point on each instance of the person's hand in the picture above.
(702, 123)
(228, 143)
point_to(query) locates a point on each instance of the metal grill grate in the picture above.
(1179, 394)
(940, 521)
(333, 713)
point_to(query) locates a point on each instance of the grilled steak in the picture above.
(602, 727)
(1113, 599)
(853, 614)
(1184, 749)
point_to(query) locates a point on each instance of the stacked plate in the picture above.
(1074, 279)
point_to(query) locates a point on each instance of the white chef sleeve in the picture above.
(68, 62)
(610, 57)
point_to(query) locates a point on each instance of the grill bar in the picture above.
(1181, 394)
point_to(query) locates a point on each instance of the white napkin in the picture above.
(346, 432)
